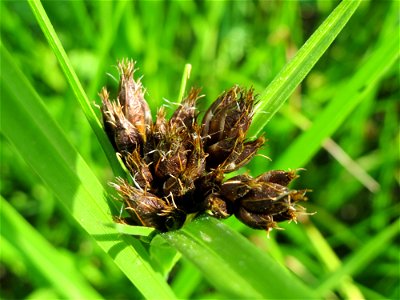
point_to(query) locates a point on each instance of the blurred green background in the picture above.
(354, 176)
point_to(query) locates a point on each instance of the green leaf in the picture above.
(38, 139)
(363, 256)
(233, 265)
(41, 257)
(185, 77)
(74, 82)
(133, 230)
(187, 280)
(275, 95)
(341, 106)
(163, 255)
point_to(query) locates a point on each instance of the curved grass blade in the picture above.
(38, 139)
(74, 82)
(233, 265)
(362, 257)
(39, 255)
(328, 257)
(335, 150)
(273, 97)
(366, 77)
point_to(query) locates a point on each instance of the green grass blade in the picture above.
(40, 256)
(74, 82)
(361, 257)
(109, 35)
(163, 255)
(294, 72)
(37, 138)
(335, 150)
(331, 261)
(185, 77)
(233, 265)
(133, 230)
(308, 143)
(186, 281)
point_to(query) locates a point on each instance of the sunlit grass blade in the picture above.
(369, 74)
(273, 97)
(335, 150)
(74, 82)
(363, 256)
(331, 261)
(109, 34)
(40, 256)
(132, 230)
(39, 141)
(186, 281)
(233, 265)
(185, 77)
(163, 255)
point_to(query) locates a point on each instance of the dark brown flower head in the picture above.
(185, 115)
(177, 166)
(277, 176)
(236, 187)
(265, 200)
(224, 129)
(256, 221)
(229, 114)
(218, 207)
(141, 174)
(147, 209)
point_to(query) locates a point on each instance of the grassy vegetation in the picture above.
(332, 110)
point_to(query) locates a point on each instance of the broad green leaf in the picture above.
(275, 95)
(233, 265)
(38, 139)
(41, 257)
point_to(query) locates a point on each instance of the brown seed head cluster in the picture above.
(177, 166)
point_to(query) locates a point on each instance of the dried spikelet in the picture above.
(149, 210)
(123, 135)
(131, 98)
